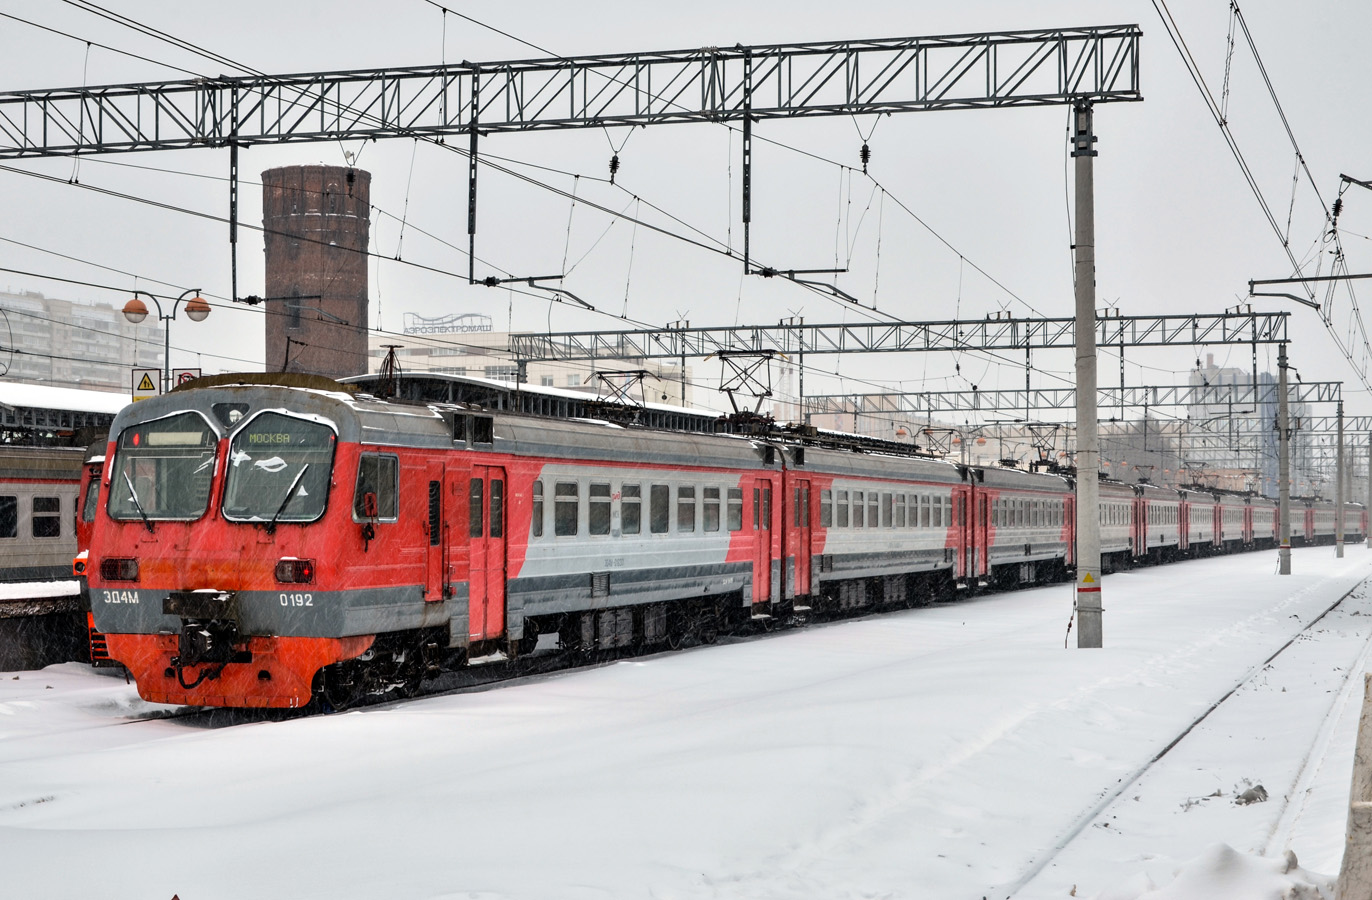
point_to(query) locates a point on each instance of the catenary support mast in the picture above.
(1283, 470)
(1088, 598)
(1338, 492)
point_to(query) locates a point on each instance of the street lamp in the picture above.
(196, 310)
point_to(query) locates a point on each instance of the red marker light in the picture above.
(295, 571)
(135, 439)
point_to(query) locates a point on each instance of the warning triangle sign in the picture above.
(146, 384)
(1088, 579)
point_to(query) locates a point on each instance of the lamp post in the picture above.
(196, 310)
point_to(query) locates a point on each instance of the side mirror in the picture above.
(369, 512)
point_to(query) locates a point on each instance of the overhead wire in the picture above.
(92, 43)
(85, 4)
(1220, 116)
(637, 220)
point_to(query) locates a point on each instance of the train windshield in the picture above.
(163, 469)
(279, 469)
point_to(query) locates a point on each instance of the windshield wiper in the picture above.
(136, 505)
(295, 485)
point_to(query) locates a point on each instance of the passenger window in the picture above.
(377, 474)
(47, 517)
(842, 520)
(767, 509)
(436, 511)
(735, 509)
(900, 511)
(872, 500)
(757, 509)
(599, 511)
(924, 509)
(538, 509)
(710, 513)
(92, 501)
(887, 511)
(630, 509)
(497, 507)
(859, 505)
(476, 502)
(685, 509)
(826, 509)
(659, 514)
(566, 503)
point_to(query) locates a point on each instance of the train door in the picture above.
(435, 528)
(1140, 526)
(762, 531)
(964, 532)
(981, 554)
(486, 536)
(801, 519)
(1184, 526)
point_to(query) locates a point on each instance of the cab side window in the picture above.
(377, 474)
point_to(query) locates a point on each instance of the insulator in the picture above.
(865, 154)
(614, 167)
(1338, 207)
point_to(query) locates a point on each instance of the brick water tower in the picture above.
(317, 220)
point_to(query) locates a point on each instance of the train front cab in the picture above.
(87, 502)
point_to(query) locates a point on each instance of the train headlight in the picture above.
(119, 569)
(295, 571)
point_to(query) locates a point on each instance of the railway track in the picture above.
(1293, 797)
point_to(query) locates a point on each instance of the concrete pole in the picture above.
(1283, 470)
(1090, 632)
(1369, 489)
(1338, 491)
(1355, 876)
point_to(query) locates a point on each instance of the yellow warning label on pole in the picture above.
(1088, 579)
(146, 383)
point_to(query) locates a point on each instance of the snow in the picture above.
(951, 751)
(39, 396)
(39, 590)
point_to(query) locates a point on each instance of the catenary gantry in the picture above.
(928, 403)
(885, 337)
(710, 84)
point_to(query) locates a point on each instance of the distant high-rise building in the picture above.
(317, 220)
(45, 340)
(468, 344)
(1243, 438)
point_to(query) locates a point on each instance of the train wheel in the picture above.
(338, 689)
(678, 628)
(707, 623)
(529, 642)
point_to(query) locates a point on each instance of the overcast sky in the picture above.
(1178, 230)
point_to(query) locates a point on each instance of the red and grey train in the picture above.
(266, 540)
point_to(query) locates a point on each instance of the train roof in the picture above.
(41, 396)
(362, 418)
(535, 400)
(1006, 477)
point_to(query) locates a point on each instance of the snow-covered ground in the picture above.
(957, 751)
